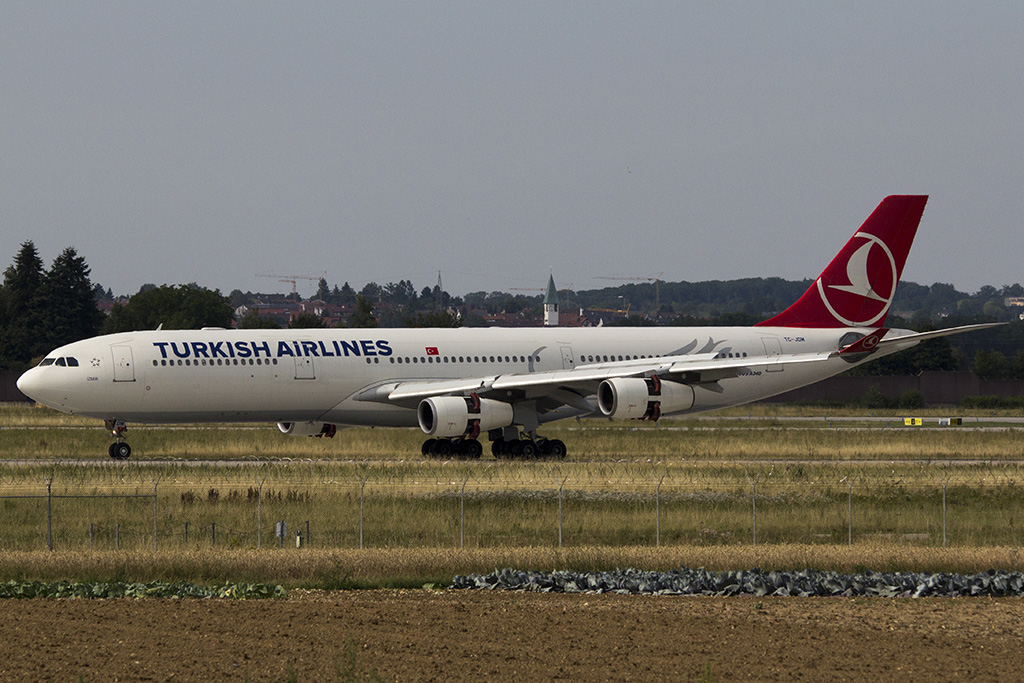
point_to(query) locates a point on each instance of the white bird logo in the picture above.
(860, 279)
(857, 272)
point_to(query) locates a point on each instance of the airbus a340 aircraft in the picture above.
(459, 383)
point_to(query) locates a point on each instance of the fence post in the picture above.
(362, 485)
(213, 534)
(90, 535)
(307, 532)
(560, 487)
(259, 513)
(944, 484)
(49, 515)
(117, 536)
(155, 483)
(849, 531)
(462, 514)
(753, 501)
(657, 512)
(186, 534)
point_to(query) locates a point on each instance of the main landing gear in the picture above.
(464, 449)
(119, 450)
(528, 448)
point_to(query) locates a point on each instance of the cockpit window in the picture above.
(66, 362)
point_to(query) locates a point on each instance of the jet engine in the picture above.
(642, 398)
(446, 416)
(316, 429)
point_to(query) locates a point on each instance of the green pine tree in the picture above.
(22, 334)
(67, 301)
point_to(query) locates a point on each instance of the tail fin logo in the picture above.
(864, 299)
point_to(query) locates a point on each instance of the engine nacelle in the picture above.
(642, 399)
(316, 429)
(462, 415)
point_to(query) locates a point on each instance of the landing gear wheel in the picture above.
(523, 449)
(427, 449)
(442, 448)
(555, 448)
(470, 449)
(120, 451)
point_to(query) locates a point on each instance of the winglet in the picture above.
(857, 287)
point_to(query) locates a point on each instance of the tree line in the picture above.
(41, 309)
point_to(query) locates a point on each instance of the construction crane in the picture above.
(657, 286)
(624, 312)
(292, 279)
(544, 289)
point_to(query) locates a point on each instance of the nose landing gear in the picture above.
(119, 450)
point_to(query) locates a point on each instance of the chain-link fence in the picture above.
(549, 506)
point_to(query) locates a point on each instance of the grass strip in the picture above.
(335, 569)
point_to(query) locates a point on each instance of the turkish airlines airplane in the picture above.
(457, 384)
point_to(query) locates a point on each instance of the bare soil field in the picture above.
(456, 635)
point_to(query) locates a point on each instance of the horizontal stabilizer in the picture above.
(865, 344)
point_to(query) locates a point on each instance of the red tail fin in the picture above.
(857, 288)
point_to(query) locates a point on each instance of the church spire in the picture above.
(551, 304)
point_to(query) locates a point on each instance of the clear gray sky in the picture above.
(172, 142)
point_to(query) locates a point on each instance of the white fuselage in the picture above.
(218, 375)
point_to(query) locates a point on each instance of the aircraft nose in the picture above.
(30, 384)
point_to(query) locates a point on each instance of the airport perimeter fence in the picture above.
(761, 505)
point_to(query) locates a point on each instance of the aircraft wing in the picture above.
(702, 368)
(908, 340)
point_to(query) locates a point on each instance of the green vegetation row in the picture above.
(150, 589)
